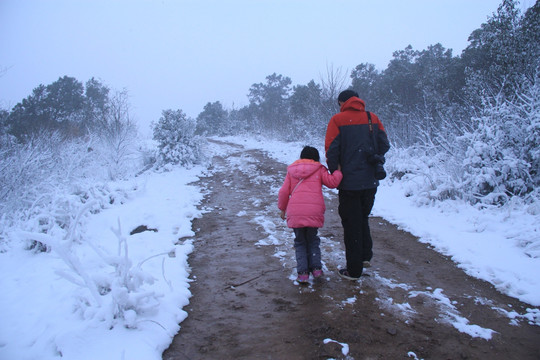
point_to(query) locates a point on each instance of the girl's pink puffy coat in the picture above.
(304, 204)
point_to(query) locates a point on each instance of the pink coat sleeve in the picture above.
(284, 193)
(331, 180)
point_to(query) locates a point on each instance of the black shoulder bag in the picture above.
(375, 159)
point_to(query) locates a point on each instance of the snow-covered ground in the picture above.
(66, 303)
(47, 308)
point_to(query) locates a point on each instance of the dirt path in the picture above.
(246, 305)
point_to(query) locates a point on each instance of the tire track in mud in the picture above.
(412, 302)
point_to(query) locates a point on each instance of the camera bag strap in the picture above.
(373, 138)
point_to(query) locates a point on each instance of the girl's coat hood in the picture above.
(303, 168)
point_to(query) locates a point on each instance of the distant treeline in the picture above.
(472, 120)
(414, 95)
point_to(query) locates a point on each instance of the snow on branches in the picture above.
(491, 160)
(177, 143)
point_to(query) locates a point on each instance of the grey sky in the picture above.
(183, 54)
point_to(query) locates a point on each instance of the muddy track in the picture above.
(246, 305)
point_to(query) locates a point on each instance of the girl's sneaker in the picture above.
(317, 273)
(303, 277)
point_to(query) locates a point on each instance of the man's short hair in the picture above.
(346, 95)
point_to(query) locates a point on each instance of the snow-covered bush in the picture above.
(116, 286)
(502, 156)
(45, 180)
(177, 143)
(494, 158)
(32, 169)
(429, 174)
(50, 186)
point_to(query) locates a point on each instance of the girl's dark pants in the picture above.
(354, 210)
(308, 252)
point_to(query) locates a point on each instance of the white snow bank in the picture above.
(47, 310)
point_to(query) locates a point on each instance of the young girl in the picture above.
(301, 199)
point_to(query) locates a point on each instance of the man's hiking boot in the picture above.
(345, 274)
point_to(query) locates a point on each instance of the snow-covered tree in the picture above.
(65, 105)
(332, 83)
(502, 158)
(269, 102)
(502, 51)
(177, 143)
(212, 120)
(490, 160)
(117, 134)
(306, 109)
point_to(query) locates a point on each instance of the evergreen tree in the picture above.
(212, 120)
(365, 81)
(306, 110)
(174, 133)
(501, 51)
(270, 101)
(63, 106)
(96, 101)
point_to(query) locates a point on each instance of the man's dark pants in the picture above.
(354, 210)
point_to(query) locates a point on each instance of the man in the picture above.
(351, 143)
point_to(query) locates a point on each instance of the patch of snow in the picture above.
(451, 315)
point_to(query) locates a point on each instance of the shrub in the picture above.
(177, 143)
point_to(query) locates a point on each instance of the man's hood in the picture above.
(354, 103)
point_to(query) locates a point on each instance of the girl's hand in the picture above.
(282, 215)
